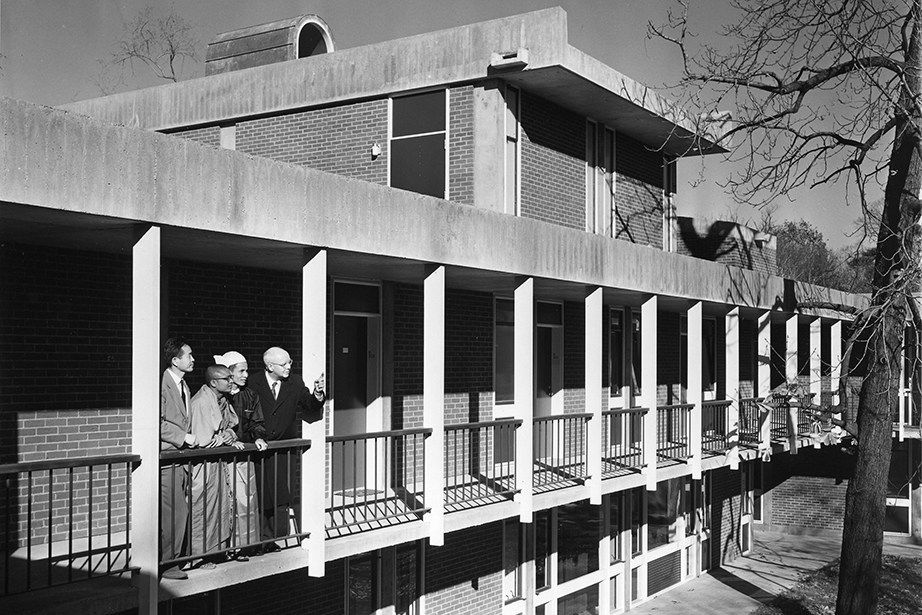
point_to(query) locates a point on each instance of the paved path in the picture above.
(777, 562)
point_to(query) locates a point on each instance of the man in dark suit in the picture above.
(175, 433)
(284, 401)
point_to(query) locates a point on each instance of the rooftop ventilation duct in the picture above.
(278, 41)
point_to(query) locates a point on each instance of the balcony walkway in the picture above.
(776, 563)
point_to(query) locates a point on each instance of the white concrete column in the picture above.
(835, 366)
(764, 377)
(902, 397)
(648, 379)
(145, 416)
(313, 460)
(524, 388)
(434, 400)
(695, 393)
(593, 388)
(732, 384)
(790, 374)
(816, 373)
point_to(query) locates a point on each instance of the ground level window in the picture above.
(577, 540)
(362, 585)
(542, 549)
(513, 557)
(664, 509)
(584, 602)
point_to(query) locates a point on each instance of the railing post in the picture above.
(732, 385)
(648, 379)
(816, 374)
(524, 388)
(313, 460)
(694, 394)
(593, 386)
(144, 522)
(835, 367)
(790, 375)
(764, 378)
(434, 400)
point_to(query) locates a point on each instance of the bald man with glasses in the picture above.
(285, 402)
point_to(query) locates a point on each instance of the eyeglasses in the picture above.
(228, 378)
(285, 364)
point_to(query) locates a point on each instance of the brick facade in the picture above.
(461, 145)
(725, 541)
(725, 242)
(207, 135)
(466, 574)
(553, 174)
(334, 139)
(638, 193)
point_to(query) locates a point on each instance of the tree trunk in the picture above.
(897, 249)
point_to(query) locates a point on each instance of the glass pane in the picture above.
(577, 540)
(585, 602)
(418, 164)
(616, 354)
(542, 548)
(550, 313)
(512, 112)
(897, 519)
(419, 113)
(615, 525)
(512, 553)
(636, 520)
(357, 298)
(503, 369)
(899, 475)
(635, 590)
(635, 354)
(407, 578)
(362, 588)
(614, 585)
(708, 354)
(505, 311)
(663, 506)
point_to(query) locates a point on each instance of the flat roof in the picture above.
(555, 70)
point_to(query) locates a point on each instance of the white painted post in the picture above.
(835, 364)
(145, 416)
(695, 391)
(434, 400)
(313, 460)
(732, 384)
(764, 378)
(593, 388)
(816, 374)
(648, 360)
(524, 388)
(790, 374)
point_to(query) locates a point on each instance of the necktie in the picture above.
(182, 393)
(275, 389)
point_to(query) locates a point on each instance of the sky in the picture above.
(50, 51)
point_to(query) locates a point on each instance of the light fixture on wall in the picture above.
(375, 150)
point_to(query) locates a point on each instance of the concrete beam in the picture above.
(145, 416)
(55, 160)
(313, 460)
(434, 400)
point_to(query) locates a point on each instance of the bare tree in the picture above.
(160, 44)
(821, 92)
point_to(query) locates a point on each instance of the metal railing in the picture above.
(230, 495)
(622, 441)
(804, 414)
(779, 417)
(714, 435)
(560, 450)
(479, 462)
(376, 479)
(76, 524)
(750, 420)
(672, 432)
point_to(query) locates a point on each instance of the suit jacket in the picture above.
(175, 422)
(281, 414)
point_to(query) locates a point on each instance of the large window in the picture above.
(504, 351)
(362, 582)
(543, 530)
(577, 540)
(664, 509)
(418, 144)
(708, 355)
(615, 526)
(513, 557)
(600, 157)
(617, 352)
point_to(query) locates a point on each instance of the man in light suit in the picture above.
(284, 400)
(175, 433)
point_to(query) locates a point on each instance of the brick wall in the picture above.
(553, 175)
(207, 135)
(461, 145)
(806, 492)
(291, 592)
(466, 575)
(638, 193)
(334, 139)
(724, 242)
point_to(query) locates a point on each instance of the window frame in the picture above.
(446, 133)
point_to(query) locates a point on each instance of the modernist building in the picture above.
(541, 393)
